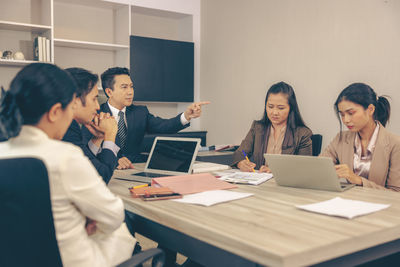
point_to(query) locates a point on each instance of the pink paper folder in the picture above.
(193, 183)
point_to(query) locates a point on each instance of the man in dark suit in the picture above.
(101, 148)
(135, 121)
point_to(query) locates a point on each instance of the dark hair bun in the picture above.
(383, 110)
(10, 116)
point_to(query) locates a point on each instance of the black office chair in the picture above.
(27, 236)
(316, 144)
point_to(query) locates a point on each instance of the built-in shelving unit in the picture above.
(92, 34)
(13, 62)
(96, 39)
(88, 45)
(16, 26)
(20, 23)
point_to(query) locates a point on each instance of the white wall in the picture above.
(317, 46)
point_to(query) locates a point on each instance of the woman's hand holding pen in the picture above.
(246, 166)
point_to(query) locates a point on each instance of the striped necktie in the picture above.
(122, 132)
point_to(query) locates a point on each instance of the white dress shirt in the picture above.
(105, 145)
(362, 163)
(77, 193)
(115, 113)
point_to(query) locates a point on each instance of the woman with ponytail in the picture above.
(35, 113)
(367, 154)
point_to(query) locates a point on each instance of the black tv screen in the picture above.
(162, 70)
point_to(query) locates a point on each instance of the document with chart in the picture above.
(239, 177)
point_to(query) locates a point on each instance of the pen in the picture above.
(245, 155)
(140, 186)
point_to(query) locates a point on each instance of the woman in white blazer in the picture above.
(34, 115)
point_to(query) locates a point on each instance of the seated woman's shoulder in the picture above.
(394, 136)
(65, 147)
(257, 124)
(304, 130)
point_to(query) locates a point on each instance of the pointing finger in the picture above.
(203, 103)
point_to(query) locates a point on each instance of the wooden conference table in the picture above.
(267, 229)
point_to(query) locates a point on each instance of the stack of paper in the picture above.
(200, 167)
(209, 198)
(346, 208)
(238, 177)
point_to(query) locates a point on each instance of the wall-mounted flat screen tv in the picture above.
(162, 70)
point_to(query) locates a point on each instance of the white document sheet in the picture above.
(346, 208)
(238, 177)
(209, 198)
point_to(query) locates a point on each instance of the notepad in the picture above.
(189, 184)
(213, 197)
(346, 208)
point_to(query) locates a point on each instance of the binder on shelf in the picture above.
(38, 46)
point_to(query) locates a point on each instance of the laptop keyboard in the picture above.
(150, 174)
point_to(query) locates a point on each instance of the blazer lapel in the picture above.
(380, 157)
(259, 150)
(348, 150)
(288, 145)
(130, 120)
(105, 108)
(288, 150)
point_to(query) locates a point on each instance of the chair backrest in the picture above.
(316, 144)
(27, 236)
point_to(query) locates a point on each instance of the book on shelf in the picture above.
(43, 40)
(36, 48)
(48, 57)
(41, 49)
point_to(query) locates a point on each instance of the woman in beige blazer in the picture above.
(280, 131)
(368, 154)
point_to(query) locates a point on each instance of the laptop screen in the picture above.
(172, 155)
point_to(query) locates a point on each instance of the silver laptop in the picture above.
(169, 156)
(305, 172)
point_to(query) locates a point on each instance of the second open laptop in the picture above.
(169, 156)
(305, 172)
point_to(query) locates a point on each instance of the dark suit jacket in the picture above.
(140, 121)
(105, 162)
(254, 144)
